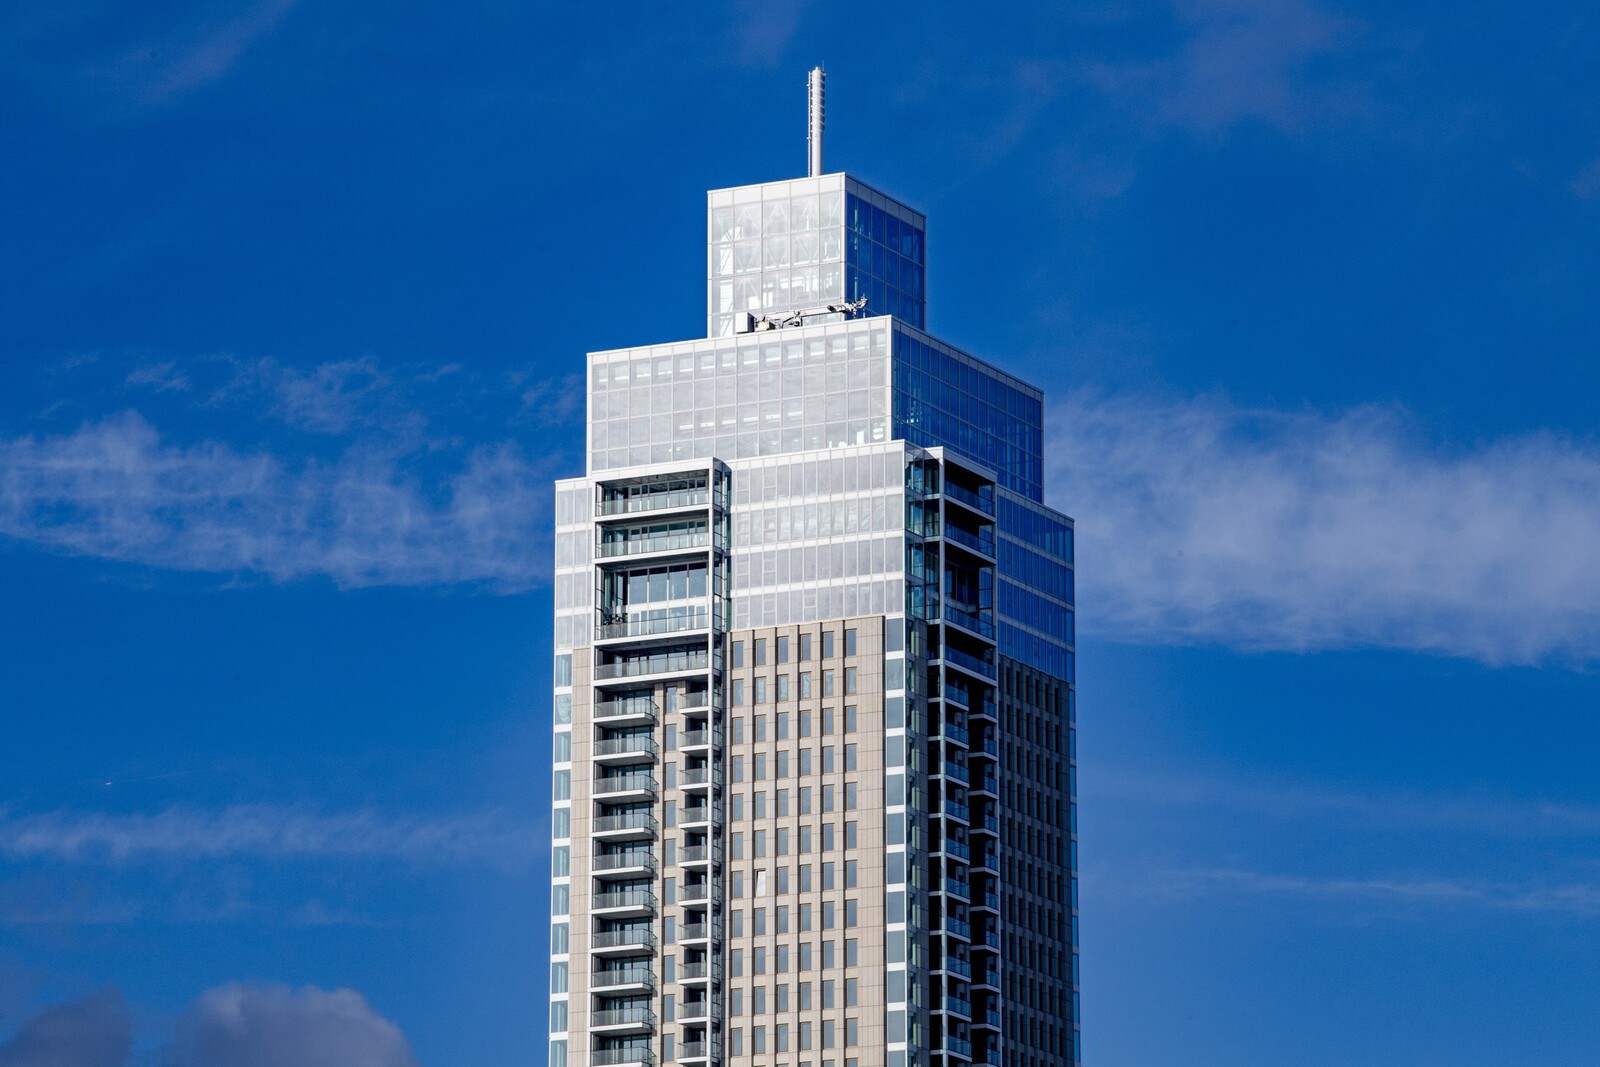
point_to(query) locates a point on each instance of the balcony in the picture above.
(980, 543)
(990, 1019)
(989, 824)
(639, 546)
(988, 784)
(957, 887)
(622, 1057)
(698, 855)
(609, 748)
(653, 626)
(632, 824)
(972, 621)
(952, 732)
(987, 708)
(700, 778)
(989, 902)
(694, 932)
(970, 663)
(692, 1051)
(957, 1046)
(632, 864)
(636, 709)
(983, 503)
(958, 928)
(647, 665)
(692, 740)
(954, 809)
(623, 940)
(622, 978)
(696, 973)
(988, 978)
(955, 772)
(692, 893)
(626, 786)
(698, 1011)
(958, 1006)
(951, 847)
(954, 695)
(695, 817)
(633, 505)
(622, 1020)
(986, 861)
(623, 902)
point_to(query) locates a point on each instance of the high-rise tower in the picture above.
(814, 712)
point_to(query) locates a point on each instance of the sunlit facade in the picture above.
(814, 712)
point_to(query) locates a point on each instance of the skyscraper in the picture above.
(814, 711)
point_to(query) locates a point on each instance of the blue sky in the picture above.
(295, 299)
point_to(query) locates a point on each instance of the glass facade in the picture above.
(944, 397)
(810, 242)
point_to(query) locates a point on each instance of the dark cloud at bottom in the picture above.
(231, 1026)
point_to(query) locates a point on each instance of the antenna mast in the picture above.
(814, 113)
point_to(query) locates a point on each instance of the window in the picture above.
(827, 994)
(827, 683)
(761, 728)
(827, 798)
(849, 642)
(782, 649)
(736, 921)
(850, 796)
(850, 874)
(736, 846)
(852, 953)
(761, 690)
(827, 876)
(736, 807)
(805, 647)
(738, 653)
(827, 759)
(736, 1041)
(850, 757)
(805, 722)
(761, 652)
(805, 687)
(736, 769)
(850, 718)
(827, 644)
(850, 989)
(849, 681)
(738, 730)
(736, 962)
(783, 687)
(849, 835)
(738, 692)
(783, 724)
(758, 959)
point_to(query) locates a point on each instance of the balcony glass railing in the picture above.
(970, 662)
(956, 965)
(693, 738)
(956, 772)
(988, 784)
(636, 938)
(626, 783)
(691, 971)
(611, 709)
(625, 746)
(631, 668)
(622, 1057)
(963, 1008)
(621, 861)
(632, 820)
(624, 898)
(957, 888)
(959, 849)
(694, 892)
(959, 927)
(982, 501)
(698, 854)
(977, 622)
(979, 542)
(954, 695)
(956, 809)
(959, 1045)
(680, 498)
(955, 733)
(623, 976)
(623, 1017)
(698, 619)
(636, 546)
(696, 813)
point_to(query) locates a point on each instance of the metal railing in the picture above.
(678, 498)
(632, 668)
(661, 543)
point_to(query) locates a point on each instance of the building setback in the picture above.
(815, 736)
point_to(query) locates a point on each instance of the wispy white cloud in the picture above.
(116, 490)
(1308, 803)
(1202, 521)
(264, 831)
(205, 54)
(1239, 60)
(1580, 900)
